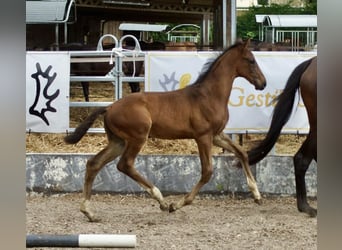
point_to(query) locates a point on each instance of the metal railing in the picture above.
(298, 38)
(116, 76)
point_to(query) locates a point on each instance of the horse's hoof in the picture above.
(164, 207)
(91, 217)
(94, 219)
(312, 213)
(172, 208)
(258, 201)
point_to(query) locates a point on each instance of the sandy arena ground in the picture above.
(211, 222)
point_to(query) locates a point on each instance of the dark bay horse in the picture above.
(303, 78)
(198, 111)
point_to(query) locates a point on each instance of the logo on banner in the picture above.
(170, 83)
(47, 91)
(43, 83)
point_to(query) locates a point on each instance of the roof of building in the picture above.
(50, 11)
(142, 27)
(287, 20)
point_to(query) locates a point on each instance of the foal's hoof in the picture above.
(172, 207)
(164, 207)
(94, 219)
(91, 216)
(258, 201)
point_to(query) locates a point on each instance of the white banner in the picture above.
(250, 110)
(47, 91)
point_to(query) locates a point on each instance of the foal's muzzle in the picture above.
(260, 85)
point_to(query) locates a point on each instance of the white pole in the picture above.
(224, 23)
(106, 240)
(233, 21)
(82, 240)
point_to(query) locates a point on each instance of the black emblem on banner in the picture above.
(40, 87)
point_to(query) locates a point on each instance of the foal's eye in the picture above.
(250, 60)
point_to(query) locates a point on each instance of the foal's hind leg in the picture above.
(223, 140)
(302, 160)
(126, 165)
(94, 165)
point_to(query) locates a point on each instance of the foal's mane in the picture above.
(209, 65)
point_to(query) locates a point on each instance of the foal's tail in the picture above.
(82, 129)
(281, 114)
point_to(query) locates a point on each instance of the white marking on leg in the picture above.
(85, 209)
(156, 194)
(254, 188)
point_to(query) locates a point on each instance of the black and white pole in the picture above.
(81, 240)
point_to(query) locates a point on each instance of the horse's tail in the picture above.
(281, 114)
(82, 129)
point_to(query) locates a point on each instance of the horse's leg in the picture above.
(126, 165)
(85, 88)
(135, 86)
(204, 147)
(94, 165)
(223, 140)
(302, 160)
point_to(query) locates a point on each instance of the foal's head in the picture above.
(247, 67)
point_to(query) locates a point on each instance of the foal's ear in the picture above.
(247, 43)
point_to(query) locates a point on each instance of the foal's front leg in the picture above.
(223, 140)
(204, 146)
